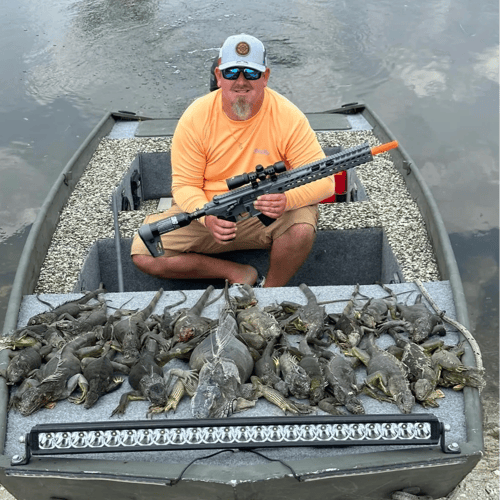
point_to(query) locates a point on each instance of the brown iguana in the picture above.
(255, 325)
(423, 374)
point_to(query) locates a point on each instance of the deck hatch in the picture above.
(240, 433)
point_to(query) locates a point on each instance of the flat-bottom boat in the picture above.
(382, 227)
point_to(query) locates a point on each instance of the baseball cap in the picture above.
(243, 50)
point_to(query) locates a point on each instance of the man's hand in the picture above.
(222, 230)
(272, 205)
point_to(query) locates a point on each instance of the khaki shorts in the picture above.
(251, 234)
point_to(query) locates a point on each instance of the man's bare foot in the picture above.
(247, 275)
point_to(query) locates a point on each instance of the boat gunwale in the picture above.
(29, 266)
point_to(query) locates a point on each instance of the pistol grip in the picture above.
(267, 221)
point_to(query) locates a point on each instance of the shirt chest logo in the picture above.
(261, 152)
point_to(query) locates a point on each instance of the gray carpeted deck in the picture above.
(451, 410)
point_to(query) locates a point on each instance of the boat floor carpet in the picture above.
(450, 411)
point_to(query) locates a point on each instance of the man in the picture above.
(226, 133)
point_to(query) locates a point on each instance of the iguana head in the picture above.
(153, 387)
(422, 389)
(458, 380)
(368, 320)
(130, 355)
(317, 392)
(42, 318)
(157, 394)
(405, 401)
(216, 391)
(205, 400)
(32, 400)
(16, 372)
(96, 388)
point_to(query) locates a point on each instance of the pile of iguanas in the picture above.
(81, 352)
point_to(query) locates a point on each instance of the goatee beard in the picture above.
(241, 107)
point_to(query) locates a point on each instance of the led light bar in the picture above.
(110, 437)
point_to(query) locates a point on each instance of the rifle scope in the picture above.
(260, 173)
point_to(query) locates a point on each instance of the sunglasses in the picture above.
(234, 73)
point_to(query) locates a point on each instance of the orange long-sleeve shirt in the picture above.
(208, 148)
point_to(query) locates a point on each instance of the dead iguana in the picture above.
(349, 329)
(454, 373)
(255, 325)
(310, 363)
(54, 381)
(276, 398)
(186, 383)
(309, 319)
(296, 379)
(22, 364)
(224, 365)
(70, 309)
(86, 321)
(424, 323)
(129, 331)
(266, 370)
(341, 379)
(386, 375)
(146, 379)
(102, 376)
(423, 374)
(189, 323)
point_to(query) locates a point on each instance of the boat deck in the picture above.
(450, 411)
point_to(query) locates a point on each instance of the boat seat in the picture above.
(340, 257)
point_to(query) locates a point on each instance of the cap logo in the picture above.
(242, 49)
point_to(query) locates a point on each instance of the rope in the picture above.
(461, 328)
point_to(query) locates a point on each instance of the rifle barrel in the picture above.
(384, 147)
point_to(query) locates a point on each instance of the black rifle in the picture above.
(237, 203)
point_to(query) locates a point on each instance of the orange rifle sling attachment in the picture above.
(384, 147)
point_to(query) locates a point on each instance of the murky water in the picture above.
(429, 69)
